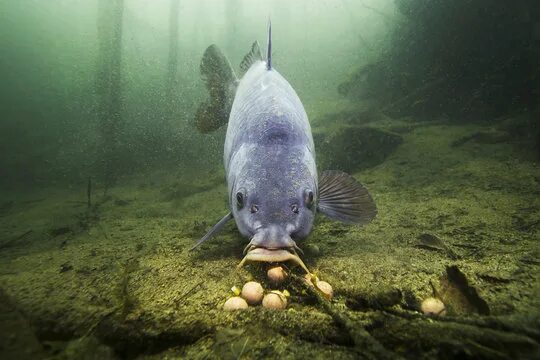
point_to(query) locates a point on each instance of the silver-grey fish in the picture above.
(269, 157)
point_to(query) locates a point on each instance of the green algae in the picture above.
(134, 285)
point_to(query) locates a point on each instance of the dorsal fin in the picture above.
(269, 50)
(252, 56)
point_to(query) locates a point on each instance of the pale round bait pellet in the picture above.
(433, 307)
(274, 301)
(252, 292)
(276, 274)
(235, 303)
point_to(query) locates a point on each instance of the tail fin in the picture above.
(220, 81)
(269, 51)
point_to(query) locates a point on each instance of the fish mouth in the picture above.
(262, 254)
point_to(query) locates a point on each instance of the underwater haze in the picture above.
(52, 56)
(108, 178)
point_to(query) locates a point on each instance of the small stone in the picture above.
(65, 267)
(274, 300)
(235, 303)
(433, 307)
(252, 292)
(325, 288)
(276, 274)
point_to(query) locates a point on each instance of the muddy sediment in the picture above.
(121, 283)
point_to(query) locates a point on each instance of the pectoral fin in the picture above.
(214, 230)
(343, 198)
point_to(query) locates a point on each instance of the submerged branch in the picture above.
(479, 336)
(488, 322)
(360, 336)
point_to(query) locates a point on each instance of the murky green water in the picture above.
(106, 182)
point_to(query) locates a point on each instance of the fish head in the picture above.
(274, 211)
(272, 215)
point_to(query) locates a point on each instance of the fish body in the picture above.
(269, 159)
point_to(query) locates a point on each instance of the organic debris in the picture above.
(383, 299)
(458, 295)
(432, 242)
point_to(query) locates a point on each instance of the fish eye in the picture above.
(254, 208)
(308, 198)
(239, 200)
(294, 208)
